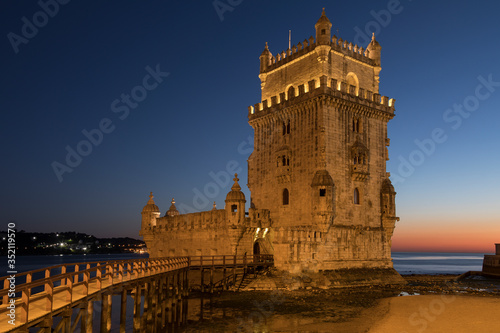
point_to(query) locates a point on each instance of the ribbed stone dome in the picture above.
(151, 206)
(235, 194)
(172, 211)
(322, 178)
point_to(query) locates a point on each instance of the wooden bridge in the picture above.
(61, 298)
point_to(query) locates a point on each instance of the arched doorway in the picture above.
(256, 252)
(256, 248)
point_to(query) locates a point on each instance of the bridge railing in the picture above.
(102, 275)
(231, 260)
(78, 268)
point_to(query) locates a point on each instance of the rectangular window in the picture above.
(322, 192)
(234, 208)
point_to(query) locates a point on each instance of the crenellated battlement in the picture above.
(322, 86)
(192, 221)
(353, 51)
(309, 45)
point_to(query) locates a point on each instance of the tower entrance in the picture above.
(256, 248)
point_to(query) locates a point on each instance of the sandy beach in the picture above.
(439, 313)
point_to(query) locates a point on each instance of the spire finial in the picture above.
(267, 47)
(236, 186)
(151, 196)
(215, 206)
(373, 36)
(173, 201)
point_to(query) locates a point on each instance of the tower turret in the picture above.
(265, 59)
(235, 203)
(374, 50)
(172, 211)
(150, 213)
(323, 37)
(323, 30)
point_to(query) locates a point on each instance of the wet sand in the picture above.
(443, 313)
(439, 304)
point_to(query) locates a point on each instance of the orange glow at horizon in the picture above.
(445, 237)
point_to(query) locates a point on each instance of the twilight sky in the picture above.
(167, 85)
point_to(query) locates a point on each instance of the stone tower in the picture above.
(321, 198)
(319, 159)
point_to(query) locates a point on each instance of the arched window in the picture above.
(286, 128)
(356, 196)
(356, 125)
(285, 196)
(352, 80)
(291, 92)
(283, 159)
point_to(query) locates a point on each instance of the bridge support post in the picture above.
(137, 308)
(160, 315)
(66, 319)
(168, 302)
(144, 318)
(86, 322)
(154, 306)
(123, 311)
(212, 279)
(106, 313)
(202, 282)
(185, 298)
(177, 300)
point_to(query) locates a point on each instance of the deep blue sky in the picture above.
(66, 77)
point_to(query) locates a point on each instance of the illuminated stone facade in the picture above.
(321, 198)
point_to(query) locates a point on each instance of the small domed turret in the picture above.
(323, 30)
(235, 194)
(235, 203)
(387, 187)
(151, 206)
(374, 50)
(265, 59)
(150, 213)
(172, 211)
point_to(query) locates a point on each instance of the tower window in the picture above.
(286, 128)
(356, 196)
(323, 31)
(356, 125)
(285, 160)
(285, 197)
(234, 208)
(322, 192)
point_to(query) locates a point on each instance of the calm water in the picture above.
(436, 263)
